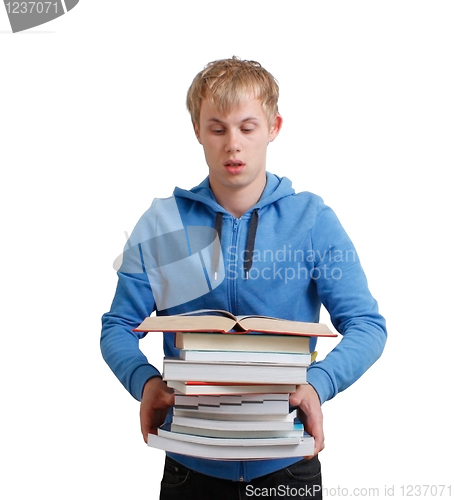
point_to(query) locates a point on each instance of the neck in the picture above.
(238, 201)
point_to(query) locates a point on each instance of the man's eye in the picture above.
(248, 129)
(217, 130)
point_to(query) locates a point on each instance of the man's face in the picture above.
(235, 144)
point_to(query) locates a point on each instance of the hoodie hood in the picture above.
(276, 188)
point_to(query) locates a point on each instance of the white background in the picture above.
(93, 126)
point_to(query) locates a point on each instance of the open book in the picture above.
(218, 321)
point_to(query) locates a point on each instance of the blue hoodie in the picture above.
(284, 257)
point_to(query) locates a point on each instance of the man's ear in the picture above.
(196, 131)
(276, 126)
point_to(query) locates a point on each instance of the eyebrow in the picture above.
(248, 119)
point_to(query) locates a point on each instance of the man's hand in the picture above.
(310, 413)
(157, 398)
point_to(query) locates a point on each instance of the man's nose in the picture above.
(233, 143)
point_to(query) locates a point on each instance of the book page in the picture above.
(270, 325)
(180, 323)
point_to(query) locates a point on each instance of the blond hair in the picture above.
(225, 82)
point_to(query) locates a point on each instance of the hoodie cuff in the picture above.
(321, 382)
(139, 378)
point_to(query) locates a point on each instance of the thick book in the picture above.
(229, 400)
(206, 388)
(214, 320)
(266, 415)
(281, 423)
(236, 441)
(250, 343)
(304, 447)
(297, 430)
(303, 359)
(269, 404)
(266, 373)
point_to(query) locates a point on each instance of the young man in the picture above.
(282, 254)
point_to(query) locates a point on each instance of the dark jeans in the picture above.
(302, 480)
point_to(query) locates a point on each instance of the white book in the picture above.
(227, 342)
(247, 356)
(305, 447)
(195, 388)
(297, 430)
(232, 405)
(250, 416)
(227, 399)
(217, 441)
(278, 424)
(179, 369)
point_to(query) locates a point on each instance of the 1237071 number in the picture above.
(425, 490)
(31, 7)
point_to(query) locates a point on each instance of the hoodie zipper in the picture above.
(233, 266)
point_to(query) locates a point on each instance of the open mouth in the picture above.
(234, 167)
(233, 163)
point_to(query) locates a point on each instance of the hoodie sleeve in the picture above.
(343, 290)
(132, 303)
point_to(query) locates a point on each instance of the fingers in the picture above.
(296, 397)
(145, 425)
(167, 396)
(310, 414)
(319, 436)
(319, 439)
(157, 398)
(151, 420)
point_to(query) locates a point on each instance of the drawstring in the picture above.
(217, 248)
(250, 243)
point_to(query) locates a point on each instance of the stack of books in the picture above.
(232, 383)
